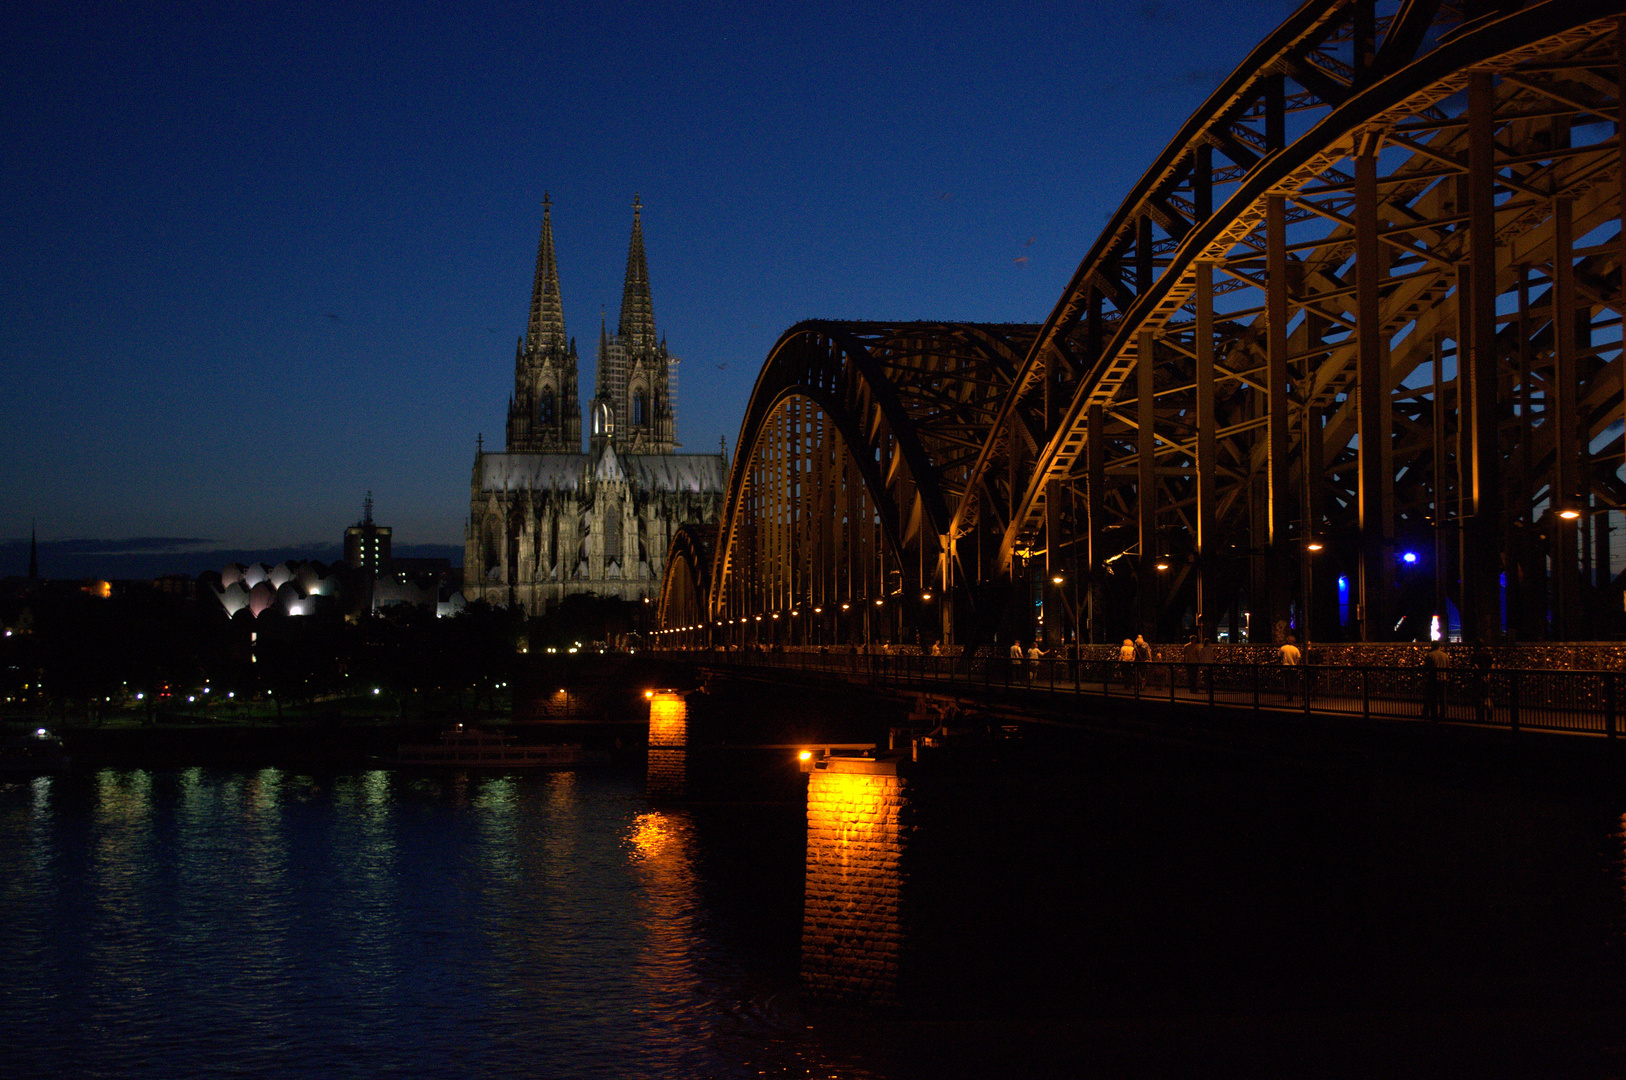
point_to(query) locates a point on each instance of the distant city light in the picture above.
(1409, 557)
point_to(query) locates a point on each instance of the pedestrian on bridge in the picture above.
(1190, 653)
(1126, 661)
(1434, 662)
(1292, 658)
(1143, 661)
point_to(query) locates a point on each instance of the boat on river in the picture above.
(37, 752)
(466, 747)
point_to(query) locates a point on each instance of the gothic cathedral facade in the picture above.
(545, 519)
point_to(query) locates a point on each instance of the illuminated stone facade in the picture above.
(852, 922)
(547, 521)
(668, 773)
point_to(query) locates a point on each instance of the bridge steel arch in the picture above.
(1366, 304)
(681, 615)
(1368, 300)
(854, 452)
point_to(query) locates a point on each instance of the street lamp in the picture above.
(1311, 546)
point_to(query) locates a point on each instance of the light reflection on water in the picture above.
(268, 923)
(183, 923)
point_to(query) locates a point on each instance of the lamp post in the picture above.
(1311, 546)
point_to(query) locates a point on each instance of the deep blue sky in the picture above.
(260, 259)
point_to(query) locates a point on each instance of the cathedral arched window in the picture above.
(545, 408)
(640, 409)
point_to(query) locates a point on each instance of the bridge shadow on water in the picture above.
(1076, 904)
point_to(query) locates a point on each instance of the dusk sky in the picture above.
(262, 259)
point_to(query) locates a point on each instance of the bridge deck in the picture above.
(1558, 702)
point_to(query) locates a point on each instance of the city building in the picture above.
(367, 543)
(548, 521)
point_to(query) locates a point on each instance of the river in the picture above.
(1140, 918)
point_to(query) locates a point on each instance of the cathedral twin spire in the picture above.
(547, 325)
(637, 327)
(543, 415)
(632, 396)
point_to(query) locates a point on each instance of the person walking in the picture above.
(1143, 661)
(1435, 661)
(1291, 659)
(1205, 658)
(1189, 653)
(1016, 657)
(1034, 653)
(1126, 662)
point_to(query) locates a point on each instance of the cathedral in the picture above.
(547, 520)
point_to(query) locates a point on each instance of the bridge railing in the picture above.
(1566, 701)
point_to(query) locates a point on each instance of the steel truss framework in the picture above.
(856, 446)
(1368, 301)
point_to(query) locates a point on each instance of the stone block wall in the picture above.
(668, 769)
(853, 920)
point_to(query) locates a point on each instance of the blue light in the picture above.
(1409, 557)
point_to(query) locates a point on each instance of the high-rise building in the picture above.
(547, 520)
(367, 543)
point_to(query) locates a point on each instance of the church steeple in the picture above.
(637, 328)
(543, 415)
(547, 325)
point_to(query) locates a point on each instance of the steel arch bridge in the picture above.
(1347, 356)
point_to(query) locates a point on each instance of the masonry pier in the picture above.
(853, 922)
(668, 775)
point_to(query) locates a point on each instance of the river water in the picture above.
(1144, 921)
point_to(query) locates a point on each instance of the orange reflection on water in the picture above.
(655, 835)
(661, 851)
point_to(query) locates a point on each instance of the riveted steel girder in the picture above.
(855, 449)
(1376, 214)
(1370, 296)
